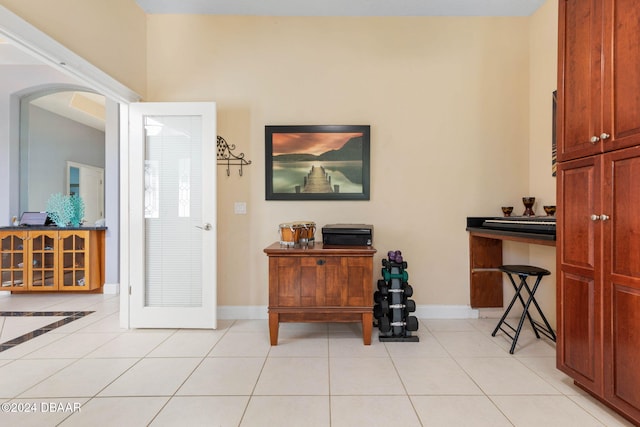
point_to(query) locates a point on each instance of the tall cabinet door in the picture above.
(621, 52)
(579, 58)
(622, 279)
(579, 295)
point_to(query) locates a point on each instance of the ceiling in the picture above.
(344, 7)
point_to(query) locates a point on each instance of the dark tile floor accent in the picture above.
(69, 316)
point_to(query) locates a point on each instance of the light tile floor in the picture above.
(93, 373)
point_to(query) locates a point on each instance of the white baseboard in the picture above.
(111, 288)
(252, 312)
(231, 312)
(445, 312)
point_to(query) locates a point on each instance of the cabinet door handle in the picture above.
(604, 136)
(594, 139)
(604, 217)
(595, 217)
(320, 262)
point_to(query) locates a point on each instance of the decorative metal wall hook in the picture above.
(226, 157)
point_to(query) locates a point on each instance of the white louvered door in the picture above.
(172, 215)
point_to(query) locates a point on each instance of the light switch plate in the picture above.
(240, 208)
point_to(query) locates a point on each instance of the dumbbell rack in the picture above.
(392, 304)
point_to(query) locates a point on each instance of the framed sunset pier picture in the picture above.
(323, 162)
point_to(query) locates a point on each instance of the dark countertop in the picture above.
(49, 228)
(474, 225)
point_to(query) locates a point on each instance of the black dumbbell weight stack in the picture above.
(392, 304)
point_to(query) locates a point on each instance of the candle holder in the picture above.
(528, 206)
(506, 210)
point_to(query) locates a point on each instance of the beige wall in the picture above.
(459, 110)
(543, 47)
(109, 34)
(448, 104)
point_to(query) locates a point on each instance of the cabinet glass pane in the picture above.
(79, 278)
(79, 260)
(48, 243)
(67, 260)
(6, 261)
(49, 280)
(67, 278)
(18, 278)
(48, 260)
(6, 278)
(37, 243)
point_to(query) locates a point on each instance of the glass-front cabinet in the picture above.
(13, 252)
(51, 260)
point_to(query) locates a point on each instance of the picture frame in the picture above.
(317, 162)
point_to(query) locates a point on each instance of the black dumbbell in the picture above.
(383, 287)
(409, 306)
(377, 311)
(377, 296)
(410, 324)
(408, 289)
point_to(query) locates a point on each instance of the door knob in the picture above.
(604, 136)
(595, 217)
(206, 227)
(594, 139)
(604, 217)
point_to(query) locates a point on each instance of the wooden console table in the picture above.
(320, 284)
(485, 256)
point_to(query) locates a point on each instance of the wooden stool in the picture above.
(524, 271)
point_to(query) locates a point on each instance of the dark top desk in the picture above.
(485, 256)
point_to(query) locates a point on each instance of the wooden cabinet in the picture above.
(320, 284)
(599, 198)
(599, 276)
(598, 106)
(621, 280)
(51, 260)
(579, 270)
